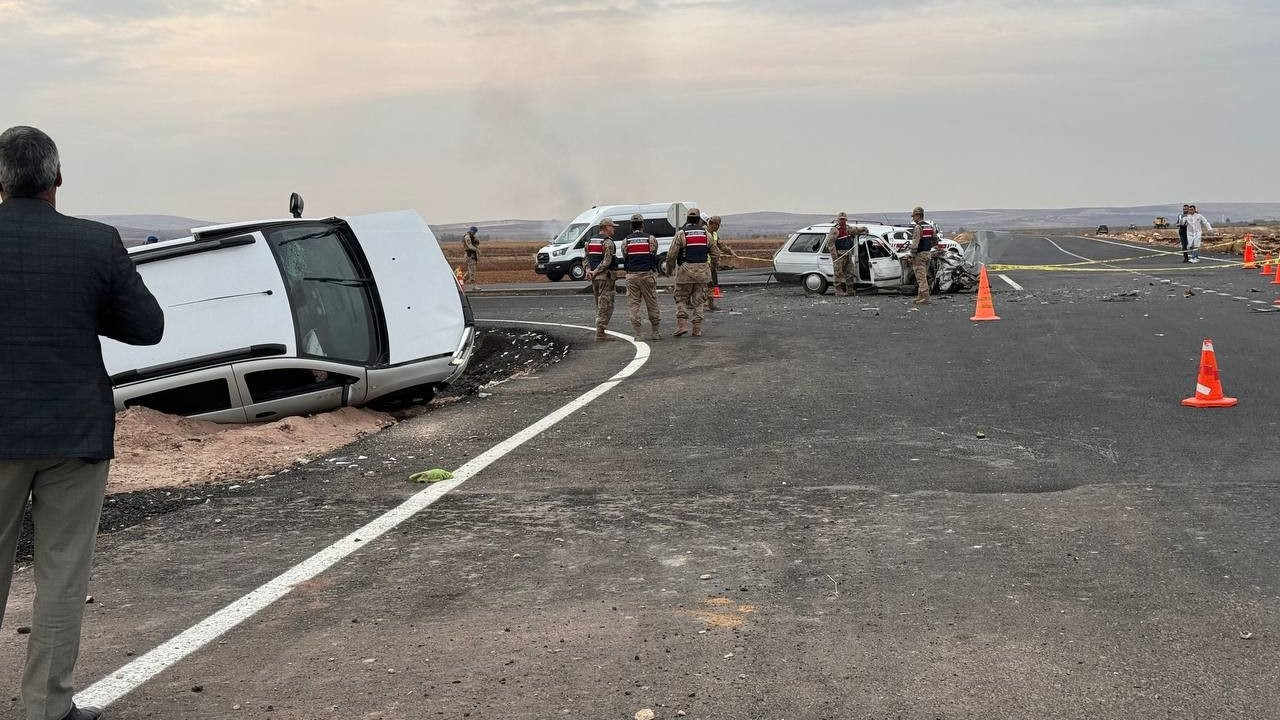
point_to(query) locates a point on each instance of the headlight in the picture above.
(558, 253)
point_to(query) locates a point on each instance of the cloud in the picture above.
(518, 105)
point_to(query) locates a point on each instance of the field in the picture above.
(511, 261)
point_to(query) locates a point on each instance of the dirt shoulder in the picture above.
(166, 462)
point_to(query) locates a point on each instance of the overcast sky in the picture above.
(490, 109)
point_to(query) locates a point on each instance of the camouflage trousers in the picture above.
(602, 286)
(690, 299)
(469, 277)
(642, 288)
(844, 272)
(920, 266)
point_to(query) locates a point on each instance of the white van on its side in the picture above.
(565, 255)
(286, 317)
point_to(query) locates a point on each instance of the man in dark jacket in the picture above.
(1182, 234)
(63, 282)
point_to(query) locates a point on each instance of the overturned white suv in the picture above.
(286, 317)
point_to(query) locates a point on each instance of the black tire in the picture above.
(555, 276)
(577, 271)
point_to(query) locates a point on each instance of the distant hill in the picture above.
(776, 223)
(773, 224)
(135, 228)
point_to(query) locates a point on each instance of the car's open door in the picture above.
(884, 267)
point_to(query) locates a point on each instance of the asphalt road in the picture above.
(824, 508)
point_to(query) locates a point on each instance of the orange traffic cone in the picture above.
(1248, 255)
(1208, 384)
(1276, 279)
(715, 293)
(986, 309)
(1266, 266)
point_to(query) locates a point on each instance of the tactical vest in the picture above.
(844, 241)
(927, 237)
(595, 251)
(638, 257)
(695, 244)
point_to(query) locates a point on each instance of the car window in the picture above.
(332, 301)
(194, 399)
(658, 227)
(569, 234)
(877, 248)
(807, 242)
(276, 383)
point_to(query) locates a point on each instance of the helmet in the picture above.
(473, 228)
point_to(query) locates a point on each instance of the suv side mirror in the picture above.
(295, 205)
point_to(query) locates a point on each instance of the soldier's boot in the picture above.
(600, 333)
(654, 335)
(697, 328)
(636, 330)
(840, 289)
(682, 327)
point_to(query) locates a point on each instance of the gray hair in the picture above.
(28, 162)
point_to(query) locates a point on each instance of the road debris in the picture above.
(430, 476)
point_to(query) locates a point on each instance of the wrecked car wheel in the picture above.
(815, 283)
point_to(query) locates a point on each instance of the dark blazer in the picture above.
(63, 282)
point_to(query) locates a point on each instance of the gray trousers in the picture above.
(66, 502)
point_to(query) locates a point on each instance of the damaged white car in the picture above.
(287, 317)
(803, 260)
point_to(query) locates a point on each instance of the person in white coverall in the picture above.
(1195, 224)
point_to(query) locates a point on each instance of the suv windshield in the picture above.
(569, 234)
(332, 301)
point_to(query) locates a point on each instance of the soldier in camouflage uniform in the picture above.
(639, 259)
(693, 251)
(471, 244)
(842, 245)
(599, 261)
(713, 237)
(924, 240)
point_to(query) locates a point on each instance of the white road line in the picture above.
(1067, 252)
(1012, 284)
(128, 678)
